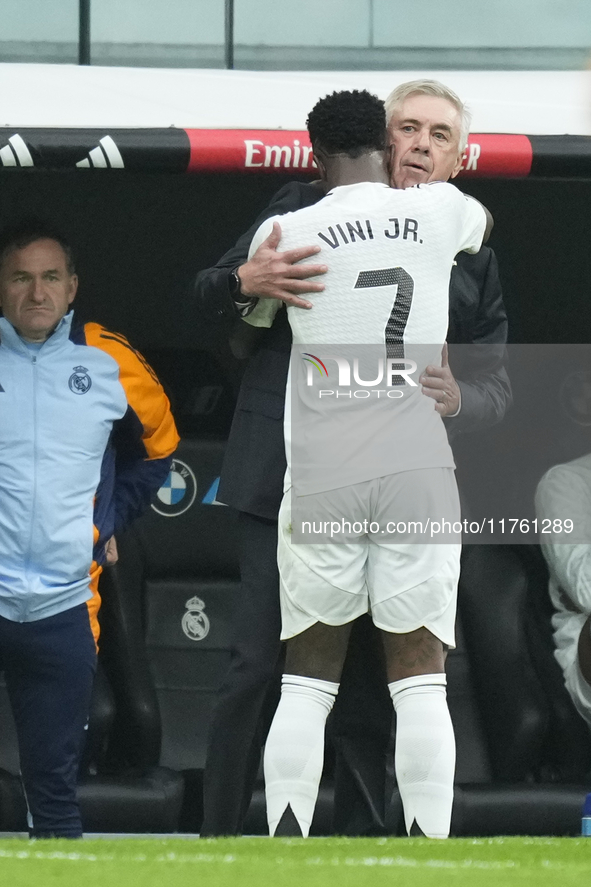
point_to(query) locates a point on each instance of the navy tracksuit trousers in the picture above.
(49, 668)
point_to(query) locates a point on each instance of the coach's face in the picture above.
(36, 288)
(425, 137)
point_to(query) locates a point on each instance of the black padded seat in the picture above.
(493, 597)
(472, 759)
(145, 801)
(187, 668)
(567, 746)
(539, 749)
(169, 605)
(514, 809)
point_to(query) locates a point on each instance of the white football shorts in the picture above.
(381, 550)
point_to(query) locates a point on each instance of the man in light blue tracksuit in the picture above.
(86, 437)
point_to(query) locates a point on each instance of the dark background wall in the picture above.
(140, 239)
(541, 237)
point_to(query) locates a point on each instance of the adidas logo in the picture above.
(105, 155)
(16, 153)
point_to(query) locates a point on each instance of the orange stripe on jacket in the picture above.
(94, 603)
(145, 394)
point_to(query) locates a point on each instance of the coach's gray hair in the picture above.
(435, 88)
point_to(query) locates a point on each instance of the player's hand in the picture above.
(270, 274)
(439, 383)
(111, 553)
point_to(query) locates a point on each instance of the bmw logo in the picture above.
(178, 492)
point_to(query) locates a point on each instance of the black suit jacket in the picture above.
(254, 464)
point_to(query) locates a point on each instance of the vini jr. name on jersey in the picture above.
(358, 231)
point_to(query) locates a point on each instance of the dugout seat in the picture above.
(168, 607)
(537, 748)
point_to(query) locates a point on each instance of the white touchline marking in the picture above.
(228, 858)
(55, 854)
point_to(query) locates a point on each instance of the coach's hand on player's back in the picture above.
(270, 274)
(439, 383)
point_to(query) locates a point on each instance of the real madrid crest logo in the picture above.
(177, 493)
(80, 381)
(195, 623)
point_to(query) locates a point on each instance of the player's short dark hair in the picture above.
(28, 231)
(348, 122)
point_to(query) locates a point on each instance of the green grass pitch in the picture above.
(316, 862)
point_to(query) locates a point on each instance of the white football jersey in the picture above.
(389, 253)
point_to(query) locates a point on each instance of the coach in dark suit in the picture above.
(429, 127)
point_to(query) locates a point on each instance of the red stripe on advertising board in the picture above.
(277, 150)
(242, 150)
(497, 155)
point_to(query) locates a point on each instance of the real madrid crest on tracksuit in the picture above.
(80, 381)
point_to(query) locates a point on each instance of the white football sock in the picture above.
(425, 756)
(294, 752)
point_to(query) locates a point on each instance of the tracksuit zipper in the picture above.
(34, 497)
